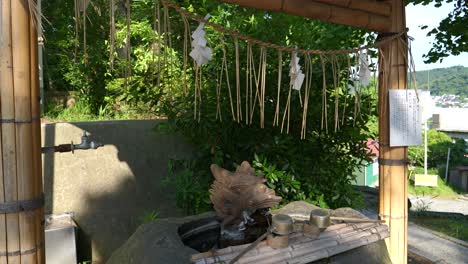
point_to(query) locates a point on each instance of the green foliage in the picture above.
(282, 181)
(320, 165)
(144, 89)
(450, 35)
(453, 227)
(443, 189)
(67, 69)
(190, 186)
(438, 144)
(81, 111)
(148, 217)
(453, 80)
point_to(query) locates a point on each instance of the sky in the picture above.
(429, 15)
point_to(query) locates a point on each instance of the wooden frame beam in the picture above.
(373, 7)
(366, 14)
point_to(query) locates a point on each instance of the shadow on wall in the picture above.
(109, 189)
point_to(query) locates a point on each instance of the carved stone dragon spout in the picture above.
(237, 195)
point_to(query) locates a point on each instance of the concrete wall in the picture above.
(111, 188)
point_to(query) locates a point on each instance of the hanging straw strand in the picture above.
(280, 73)
(112, 34)
(186, 41)
(160, 48)
(195, 95)
(257, 83)
(348, 75)
(336, 82)
(308, 80)
(262, 89)
(218, 92)
(248, 82)
(238, 91)
(324, 123)
(228, 83)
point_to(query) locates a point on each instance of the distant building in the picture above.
(452, 121)
(449, 100)
(459, 178)
(368, 175)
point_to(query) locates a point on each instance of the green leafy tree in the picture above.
(438, 144)
(453, 80)
(451, 35)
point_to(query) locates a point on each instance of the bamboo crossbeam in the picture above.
(355, 220)
(322, 11)
(373, 7)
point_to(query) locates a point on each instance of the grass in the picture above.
(454, 227)
(443, 190)
(81, 111)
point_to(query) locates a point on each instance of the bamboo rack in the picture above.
(21, 218)
(334, 240)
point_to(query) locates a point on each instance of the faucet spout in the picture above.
(86, 144)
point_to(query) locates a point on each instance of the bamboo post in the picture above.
(21, 214)
(393, 193)
(36, 95)
(22, 103)
(5, 76)
(8, 135)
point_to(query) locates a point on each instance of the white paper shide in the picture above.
(200, 52)
(364, 71)
(296, 75)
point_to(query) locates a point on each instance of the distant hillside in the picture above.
(453, 80)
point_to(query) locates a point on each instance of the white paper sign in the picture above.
(427, 105)
(405, 118)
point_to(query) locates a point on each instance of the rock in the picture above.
(156, 242)
(346, 212)
(71, 102)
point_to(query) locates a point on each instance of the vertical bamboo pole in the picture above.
(8, 133)
(36, 132)
(5, 77)
(24, 155)
(393, 183)
(21, 229)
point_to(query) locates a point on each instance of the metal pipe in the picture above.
(84, 144)
(447, 166)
